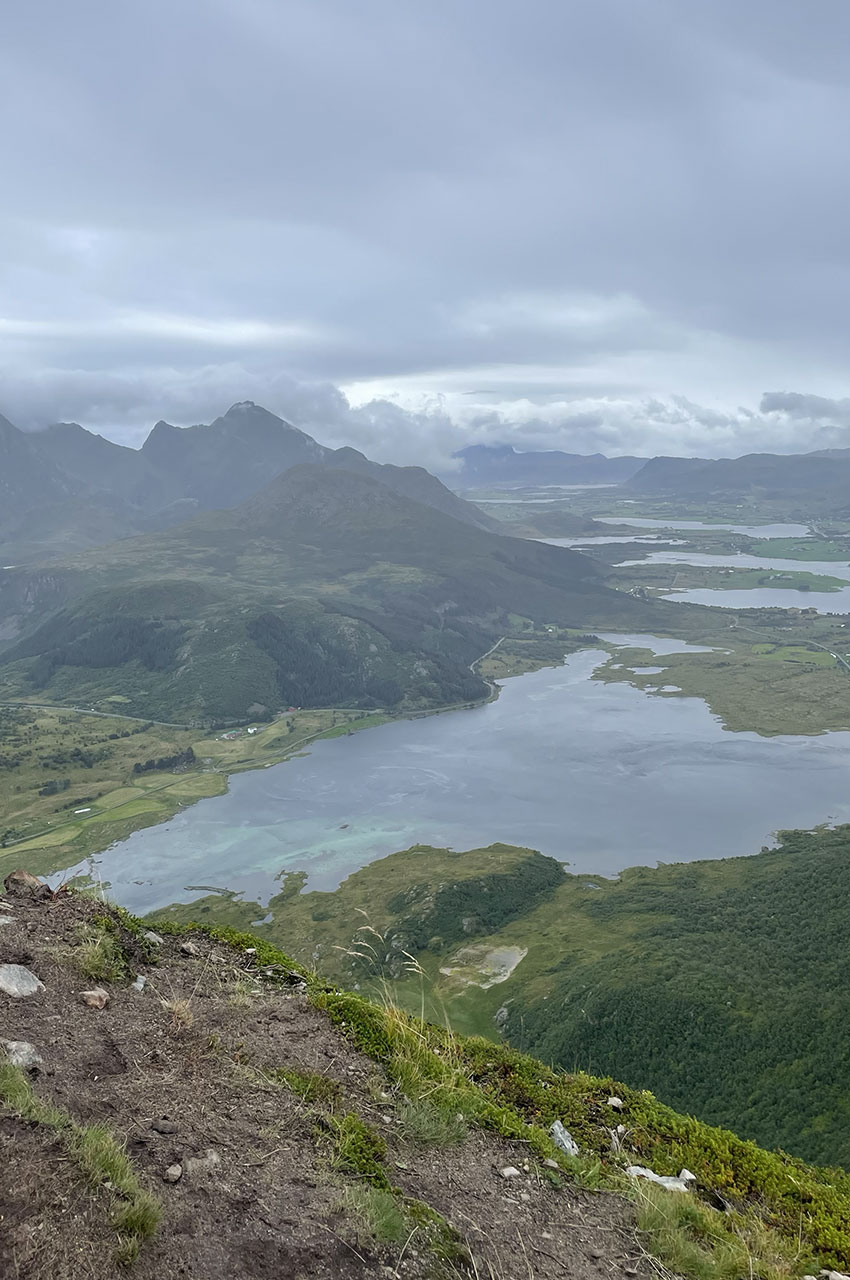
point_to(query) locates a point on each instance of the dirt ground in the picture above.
(177, 1072)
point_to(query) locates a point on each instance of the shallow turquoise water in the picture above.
(602, 776)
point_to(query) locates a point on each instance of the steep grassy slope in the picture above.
(326, 588)
(240, 1117)
(707, 982)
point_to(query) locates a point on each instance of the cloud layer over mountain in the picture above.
(599, 226)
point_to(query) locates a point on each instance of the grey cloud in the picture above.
(630, 217)
(807, 407)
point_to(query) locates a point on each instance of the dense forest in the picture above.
(727, 995)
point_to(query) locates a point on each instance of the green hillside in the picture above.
(210, 1103)
(722, 986)
(326, 588)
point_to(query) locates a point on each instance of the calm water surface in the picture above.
(602, 776)
(752, 530)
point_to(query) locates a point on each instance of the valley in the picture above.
(544, 689)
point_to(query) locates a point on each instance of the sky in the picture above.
(614, 225)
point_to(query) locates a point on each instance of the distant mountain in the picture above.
(221, 464)
(325, 588)
(819, 482)
(28, 480)
(484, 465)
(415, 483)
(88, 491)
(95, 464)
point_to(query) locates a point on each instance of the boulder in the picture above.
(18, 981)
(20, 1053)
(20, 884)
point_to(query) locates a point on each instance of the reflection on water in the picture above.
(598, 774)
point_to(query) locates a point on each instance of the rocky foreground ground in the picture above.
(174, 1105)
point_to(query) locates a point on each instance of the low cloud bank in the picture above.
(124, 405)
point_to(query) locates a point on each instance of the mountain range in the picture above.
(819, 481)
(88, 491)
(483, 465)
(340, 582)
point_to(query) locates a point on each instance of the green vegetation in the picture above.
(378, 1214)
(327, 588)
(99, 954)
(356, 1149)
(692, 1242)
(135, 1212)
(106, 796)
(707, 982)
(757, 679)
(683, 577)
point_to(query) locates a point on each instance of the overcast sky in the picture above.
(406, 224)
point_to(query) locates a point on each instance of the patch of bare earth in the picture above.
(179, 1071)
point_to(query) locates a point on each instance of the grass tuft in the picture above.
(426, 1122)
(98, 1154)
(698, 1242)
(377, 1213)
(308, 1085)
(356, 1149)
(99, 955)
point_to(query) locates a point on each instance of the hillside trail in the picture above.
(182, 1072)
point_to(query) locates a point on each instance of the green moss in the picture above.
(356, 1149)
(309, 1086)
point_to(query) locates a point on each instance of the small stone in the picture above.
(616, 1103)
(97, 998)
(546, 1235)
(150, 936)
(7, 920)
(387, 1119)
(173, 1173)
(17, 981)
(563, 1138)
(20, 884)
(190, 949)
(139, 982)
(523, 1195)
(510, 1172)
(20, 1053)
(549, 1163)
(203, 1164)
(164, 1125)
(250, 951)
